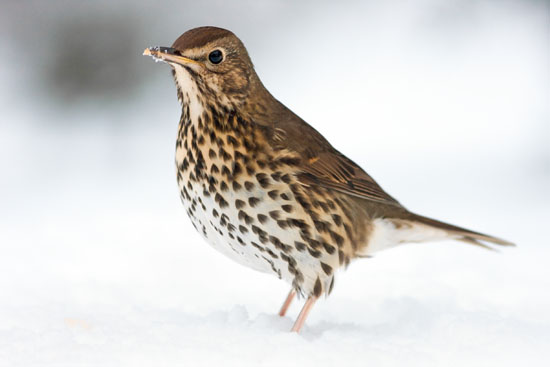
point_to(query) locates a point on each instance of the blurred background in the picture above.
(449, 102)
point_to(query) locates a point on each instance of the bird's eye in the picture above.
(215, 57)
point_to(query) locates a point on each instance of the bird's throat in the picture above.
(188, 93)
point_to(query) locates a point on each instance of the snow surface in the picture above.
(99, 265)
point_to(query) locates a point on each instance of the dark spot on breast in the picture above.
(226, 171)
(284, 196)
(252, 201)
(282, 223)
(256, 229)
(273, 194)
(288, 259)
(328, 248)
(317, 288)
(278, 244)
(263, 180)
(275, 214)
(299, 223)
(236, 186)
(211, 153)
(275, 241)
(243, 229)
(212, 137)
(223, 186)
(215, 213)
(236, 169)
(248, 185)
(314, 244)
(272, 254)
(260, 248)
(286, 178)
(287, 208)
(337, 219)
(321, 225)
(184, 165)
(238, 155)
(300, 246)
(186, 194)
(276, 176)
(221, 201)
(305, 234)
(262, 218)
(316, 254)
(231, 140)
(226, 156)
(239, 204)
(337, 238)
(326, 268)
(304, 203)
(211, 188)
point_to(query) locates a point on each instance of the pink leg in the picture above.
(287, 303)
(303, 314)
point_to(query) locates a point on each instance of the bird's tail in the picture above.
(461, 234)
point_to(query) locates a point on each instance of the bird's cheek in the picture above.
(235, 82)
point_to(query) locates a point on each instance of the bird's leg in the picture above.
(287, 303)
(303, 314)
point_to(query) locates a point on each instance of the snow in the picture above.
(99, 265)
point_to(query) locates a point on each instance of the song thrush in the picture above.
(264, 187)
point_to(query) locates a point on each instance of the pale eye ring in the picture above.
(215, 57)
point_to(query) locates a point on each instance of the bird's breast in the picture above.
(244, 198)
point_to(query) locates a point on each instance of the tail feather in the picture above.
(462, 234)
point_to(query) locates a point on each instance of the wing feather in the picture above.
(321, 164)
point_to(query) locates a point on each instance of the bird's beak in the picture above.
(168, 54)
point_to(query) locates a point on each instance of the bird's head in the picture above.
(210, 64)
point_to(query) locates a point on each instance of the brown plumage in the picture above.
(264, 187)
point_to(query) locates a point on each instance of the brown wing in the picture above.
(320, 163)
(335, 171)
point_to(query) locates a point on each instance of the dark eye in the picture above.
(215, 57)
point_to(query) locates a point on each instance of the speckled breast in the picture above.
(246, 202)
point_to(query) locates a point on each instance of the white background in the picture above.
(446, 104)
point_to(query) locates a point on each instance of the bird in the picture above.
(265, 188)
